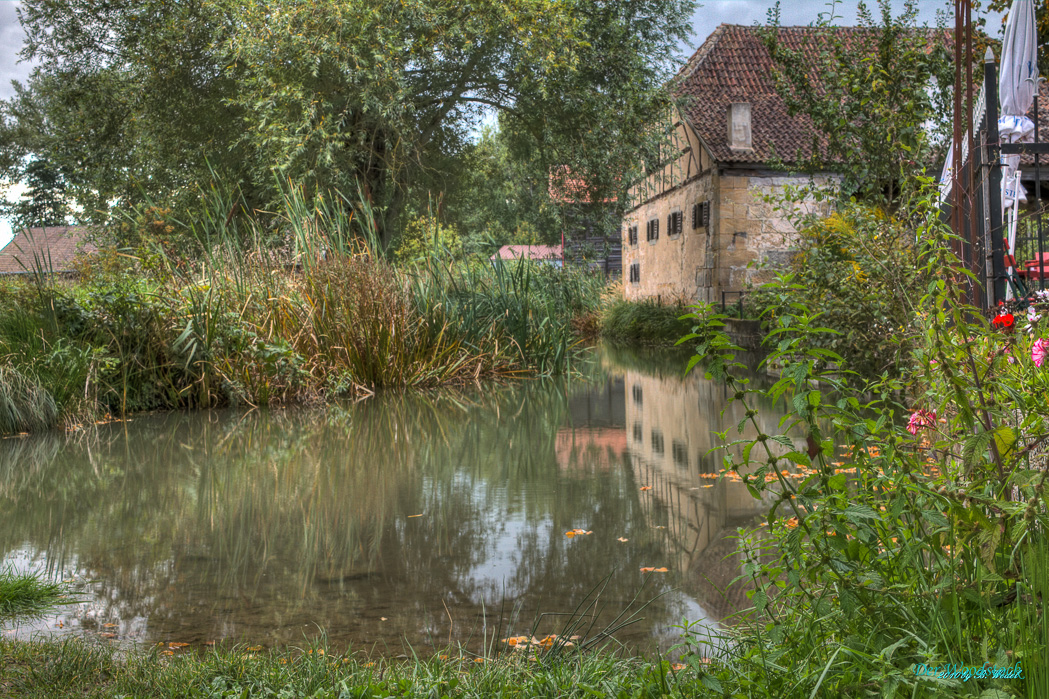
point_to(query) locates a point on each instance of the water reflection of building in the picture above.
(671, 432)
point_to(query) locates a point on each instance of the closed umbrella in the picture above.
(1019, 80)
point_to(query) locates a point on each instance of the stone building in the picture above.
(701, 222)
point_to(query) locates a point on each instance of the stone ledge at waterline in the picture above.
(746, 334)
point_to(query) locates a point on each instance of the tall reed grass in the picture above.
(263, 308)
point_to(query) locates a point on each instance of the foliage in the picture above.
(44, 202)
(503, 196)
(205, 314)
(143, 100)
(643, 322)
(862, 271)
(891, 543)
(872, 95)
(426, 237)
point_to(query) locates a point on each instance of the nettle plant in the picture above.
(909, 522)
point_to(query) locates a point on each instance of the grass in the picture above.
(75, 668)
(24, 595)
(644, 323)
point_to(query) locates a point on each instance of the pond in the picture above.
(401, 523)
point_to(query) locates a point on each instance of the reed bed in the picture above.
(271, 308)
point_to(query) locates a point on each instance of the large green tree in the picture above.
(44, 202)
(150, 97)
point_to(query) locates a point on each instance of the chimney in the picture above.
(739, 126)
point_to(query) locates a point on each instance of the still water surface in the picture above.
(403, 521)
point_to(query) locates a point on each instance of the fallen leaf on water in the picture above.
(382, 618)
(167, 652)
(622, 539)
(654, 570)
(646, 487)
(578, 532)
(570, 535)
(659, 526)
(414, 516)
(707, 486)
(108, 626)
(177, 644)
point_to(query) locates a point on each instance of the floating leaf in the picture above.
(646, 487)
(622, 540)
(654, 570)
(414, 516)
(382, 618)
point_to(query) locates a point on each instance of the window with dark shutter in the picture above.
(652, 230)
(674, 224)
(635, 272)
(700, 215)
(631, 235)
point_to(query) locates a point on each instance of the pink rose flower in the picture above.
(1039, 351)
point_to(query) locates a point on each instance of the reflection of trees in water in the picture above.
(283, 518)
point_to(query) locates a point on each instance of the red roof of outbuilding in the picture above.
(53, 248)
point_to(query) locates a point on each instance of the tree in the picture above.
(44, 203)
(330, 94)
(878, 96)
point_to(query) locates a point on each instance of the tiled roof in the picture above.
(53, 247)
(733, 65)
(529, 252)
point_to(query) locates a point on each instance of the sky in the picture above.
(705, 20)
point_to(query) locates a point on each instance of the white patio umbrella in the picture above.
(1017, 84)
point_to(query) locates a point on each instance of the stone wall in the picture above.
(748, 239)
(672, 268)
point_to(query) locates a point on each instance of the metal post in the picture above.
(994, 158)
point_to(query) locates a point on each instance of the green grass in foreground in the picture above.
(27, 595)
(76, 668)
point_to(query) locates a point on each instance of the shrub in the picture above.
(861, 270)
(908, 529)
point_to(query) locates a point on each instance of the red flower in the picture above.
(1004, 321)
